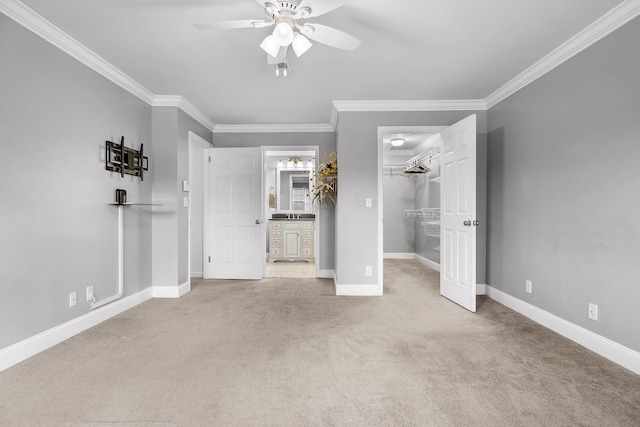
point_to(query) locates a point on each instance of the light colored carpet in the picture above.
(287, 352)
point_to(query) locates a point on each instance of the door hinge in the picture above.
(209, 159)
(209, 259)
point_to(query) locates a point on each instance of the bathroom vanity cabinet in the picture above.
(291, 239)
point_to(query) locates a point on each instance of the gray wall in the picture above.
(326, 141)
(170, 156)
(398, 231)
(59, 233)
(356, 225)
(563, 189)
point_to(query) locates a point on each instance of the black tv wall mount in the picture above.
(126, 160)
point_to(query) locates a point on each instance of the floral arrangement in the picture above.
(326, 179)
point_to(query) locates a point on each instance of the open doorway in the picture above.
(454, 221)
(293, 220)
(411, 194)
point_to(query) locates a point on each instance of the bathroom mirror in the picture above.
(294, 190)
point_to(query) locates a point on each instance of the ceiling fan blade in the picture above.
(320, 7)
(331, 37)
(231, 25)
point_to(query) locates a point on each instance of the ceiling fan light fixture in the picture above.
(270, 45)
(283, 34)
(300, 44)
(397, 142)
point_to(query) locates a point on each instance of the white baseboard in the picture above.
(197, 274)
(31, 346)
(326, 274)
(358, 290)
(172, 291)
(611, 350)
(481, 289)
(427, 262)
(399, 255)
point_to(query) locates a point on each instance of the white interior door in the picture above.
(236, 247)
(458, 213)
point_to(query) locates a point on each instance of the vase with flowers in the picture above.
(325, 189)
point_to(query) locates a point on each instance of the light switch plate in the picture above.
(186, 186)
(185, 202)
(368, 202)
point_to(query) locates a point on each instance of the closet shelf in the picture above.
(425, 214)
(431, 229)
(436, 179)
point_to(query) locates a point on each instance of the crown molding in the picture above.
(614, 19)
(334, 117)
(29, 19)
(182, 103)
(411, 105)
(274, 128)
(37, 24)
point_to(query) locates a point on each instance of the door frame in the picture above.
(381, 131)
(196, 140)
(293, 150)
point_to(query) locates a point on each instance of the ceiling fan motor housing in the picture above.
(288, 8)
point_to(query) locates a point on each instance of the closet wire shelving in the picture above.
(429, 218)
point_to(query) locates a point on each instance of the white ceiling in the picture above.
(411, 50)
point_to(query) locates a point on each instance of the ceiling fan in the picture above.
(287, 17)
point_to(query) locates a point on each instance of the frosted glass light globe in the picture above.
(283, 34)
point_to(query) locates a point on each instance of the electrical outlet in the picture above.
(72, 299)
(528, 286)
(368, 271)
(367, 202)
(593, 311)
(90, 293)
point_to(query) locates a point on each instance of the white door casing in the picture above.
(458, 213)
(236, 238)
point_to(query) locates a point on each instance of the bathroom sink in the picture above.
(302, 216)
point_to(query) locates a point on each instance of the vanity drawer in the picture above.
(291, 225)
(275, 253)
(307, 234)
(276, 225)
(307, 226)
(276, 242)
(276, 233)
(307, 252)
(307, 242)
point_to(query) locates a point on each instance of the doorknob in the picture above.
(467, 223)
(258, 221)
(476, 223)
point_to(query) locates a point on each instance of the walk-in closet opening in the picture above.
(411, 195)
(428, 176)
